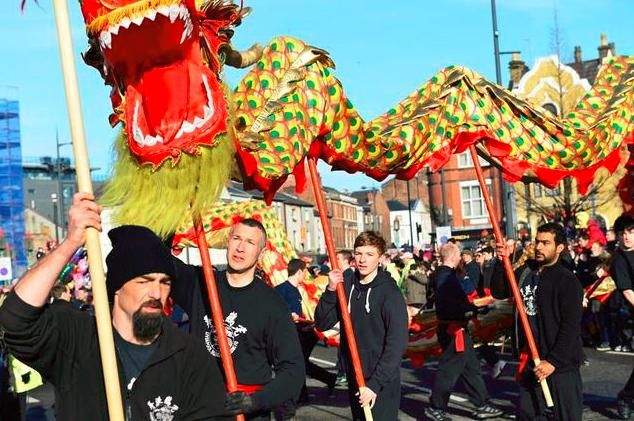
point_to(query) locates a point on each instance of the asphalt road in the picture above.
(602, 380)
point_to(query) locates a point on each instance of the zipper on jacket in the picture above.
(128, 400)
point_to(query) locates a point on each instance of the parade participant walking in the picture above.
(552, 298)
(622, 271)
(459, 359)
(264, 346)
(379, 317)
(305, 329)
(166, 372)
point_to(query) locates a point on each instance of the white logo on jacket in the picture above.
(529, 296)
(233, 331)
(162, 409)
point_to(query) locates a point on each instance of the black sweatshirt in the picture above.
(261, 334)
(379, 318)
(62, 345)
(558, 303)
(451, 301)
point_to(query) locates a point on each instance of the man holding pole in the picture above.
(552, 298)
(166, 374)
(264, 346)
(379, 316)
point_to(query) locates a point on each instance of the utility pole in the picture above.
(60, 193)
(508, 197)
(409, 209)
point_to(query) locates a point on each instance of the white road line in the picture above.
(408, 384)
(619, 353)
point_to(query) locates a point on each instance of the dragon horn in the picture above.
(242, 59)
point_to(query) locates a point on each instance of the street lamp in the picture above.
(55, 215)
(60, 193)
(507, 191)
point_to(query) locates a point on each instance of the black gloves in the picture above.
(241, 403)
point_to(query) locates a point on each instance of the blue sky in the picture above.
(383, 50)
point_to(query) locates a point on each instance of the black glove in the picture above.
(241, 403)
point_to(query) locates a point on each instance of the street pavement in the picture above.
(602, 380)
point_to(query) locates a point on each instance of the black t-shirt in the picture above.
(133, 357)
(622, 270)
(291, 295)
(528, 290)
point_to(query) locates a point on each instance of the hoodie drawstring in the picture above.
(350, 297)
(367, 301)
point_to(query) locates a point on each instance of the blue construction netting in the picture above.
(12, 237)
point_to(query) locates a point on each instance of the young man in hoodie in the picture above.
(266, 353)
(458, 359)
(552, 298)
(164, 373)
(379, 318)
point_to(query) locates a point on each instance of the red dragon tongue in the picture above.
(162, 100)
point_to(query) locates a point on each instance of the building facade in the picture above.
(557, 87)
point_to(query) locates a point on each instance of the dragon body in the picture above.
(185, 133)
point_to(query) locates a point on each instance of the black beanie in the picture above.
(136, 251)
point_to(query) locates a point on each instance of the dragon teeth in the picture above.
(138, 20)
(174, 12)
(164, 10)
(125, 22)
(105, 40)
(151, 15)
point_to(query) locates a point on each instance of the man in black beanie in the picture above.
(165, 374)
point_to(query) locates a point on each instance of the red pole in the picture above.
(341, 294)
(509, 272)
(216, 310)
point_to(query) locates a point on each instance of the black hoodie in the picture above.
(62, 345)
(379, 318)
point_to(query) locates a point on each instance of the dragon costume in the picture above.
(185, 133)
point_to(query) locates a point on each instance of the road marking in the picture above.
(425, 390)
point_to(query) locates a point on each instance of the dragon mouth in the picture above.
(172, 102)
(172, 12)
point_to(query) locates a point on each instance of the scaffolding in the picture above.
(12, 229)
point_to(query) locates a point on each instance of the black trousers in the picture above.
(308, 339)
(628, 390)
(454, 365)
(567, 392)
(388, 401)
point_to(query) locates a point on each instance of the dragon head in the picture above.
(162, 59)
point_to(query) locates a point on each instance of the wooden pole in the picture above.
(509, 273)
(93, 246)
(341, 294)
(216, 309)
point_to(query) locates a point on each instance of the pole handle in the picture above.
(341, 294)
(545, 390)
(93, 245)
(508, 268)
(216, 309)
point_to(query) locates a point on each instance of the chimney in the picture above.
(517, 68)
(578, 58)
(604, 47)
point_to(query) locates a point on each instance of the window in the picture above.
(464, 160)
(538, 190)
(473, 205)
(553, 192)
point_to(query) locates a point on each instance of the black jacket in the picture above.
(379, 318)
(451, 300)
(61, 344)
(261, 333)
(559, 304)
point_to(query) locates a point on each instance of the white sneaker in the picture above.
(498, 368)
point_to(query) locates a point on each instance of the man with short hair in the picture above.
(305, 329)
(60, 292)
(379, 318)
(622, 271)
(163, 371)
(344, 260)
(266, 353)
(458, 359)
(552, 298)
